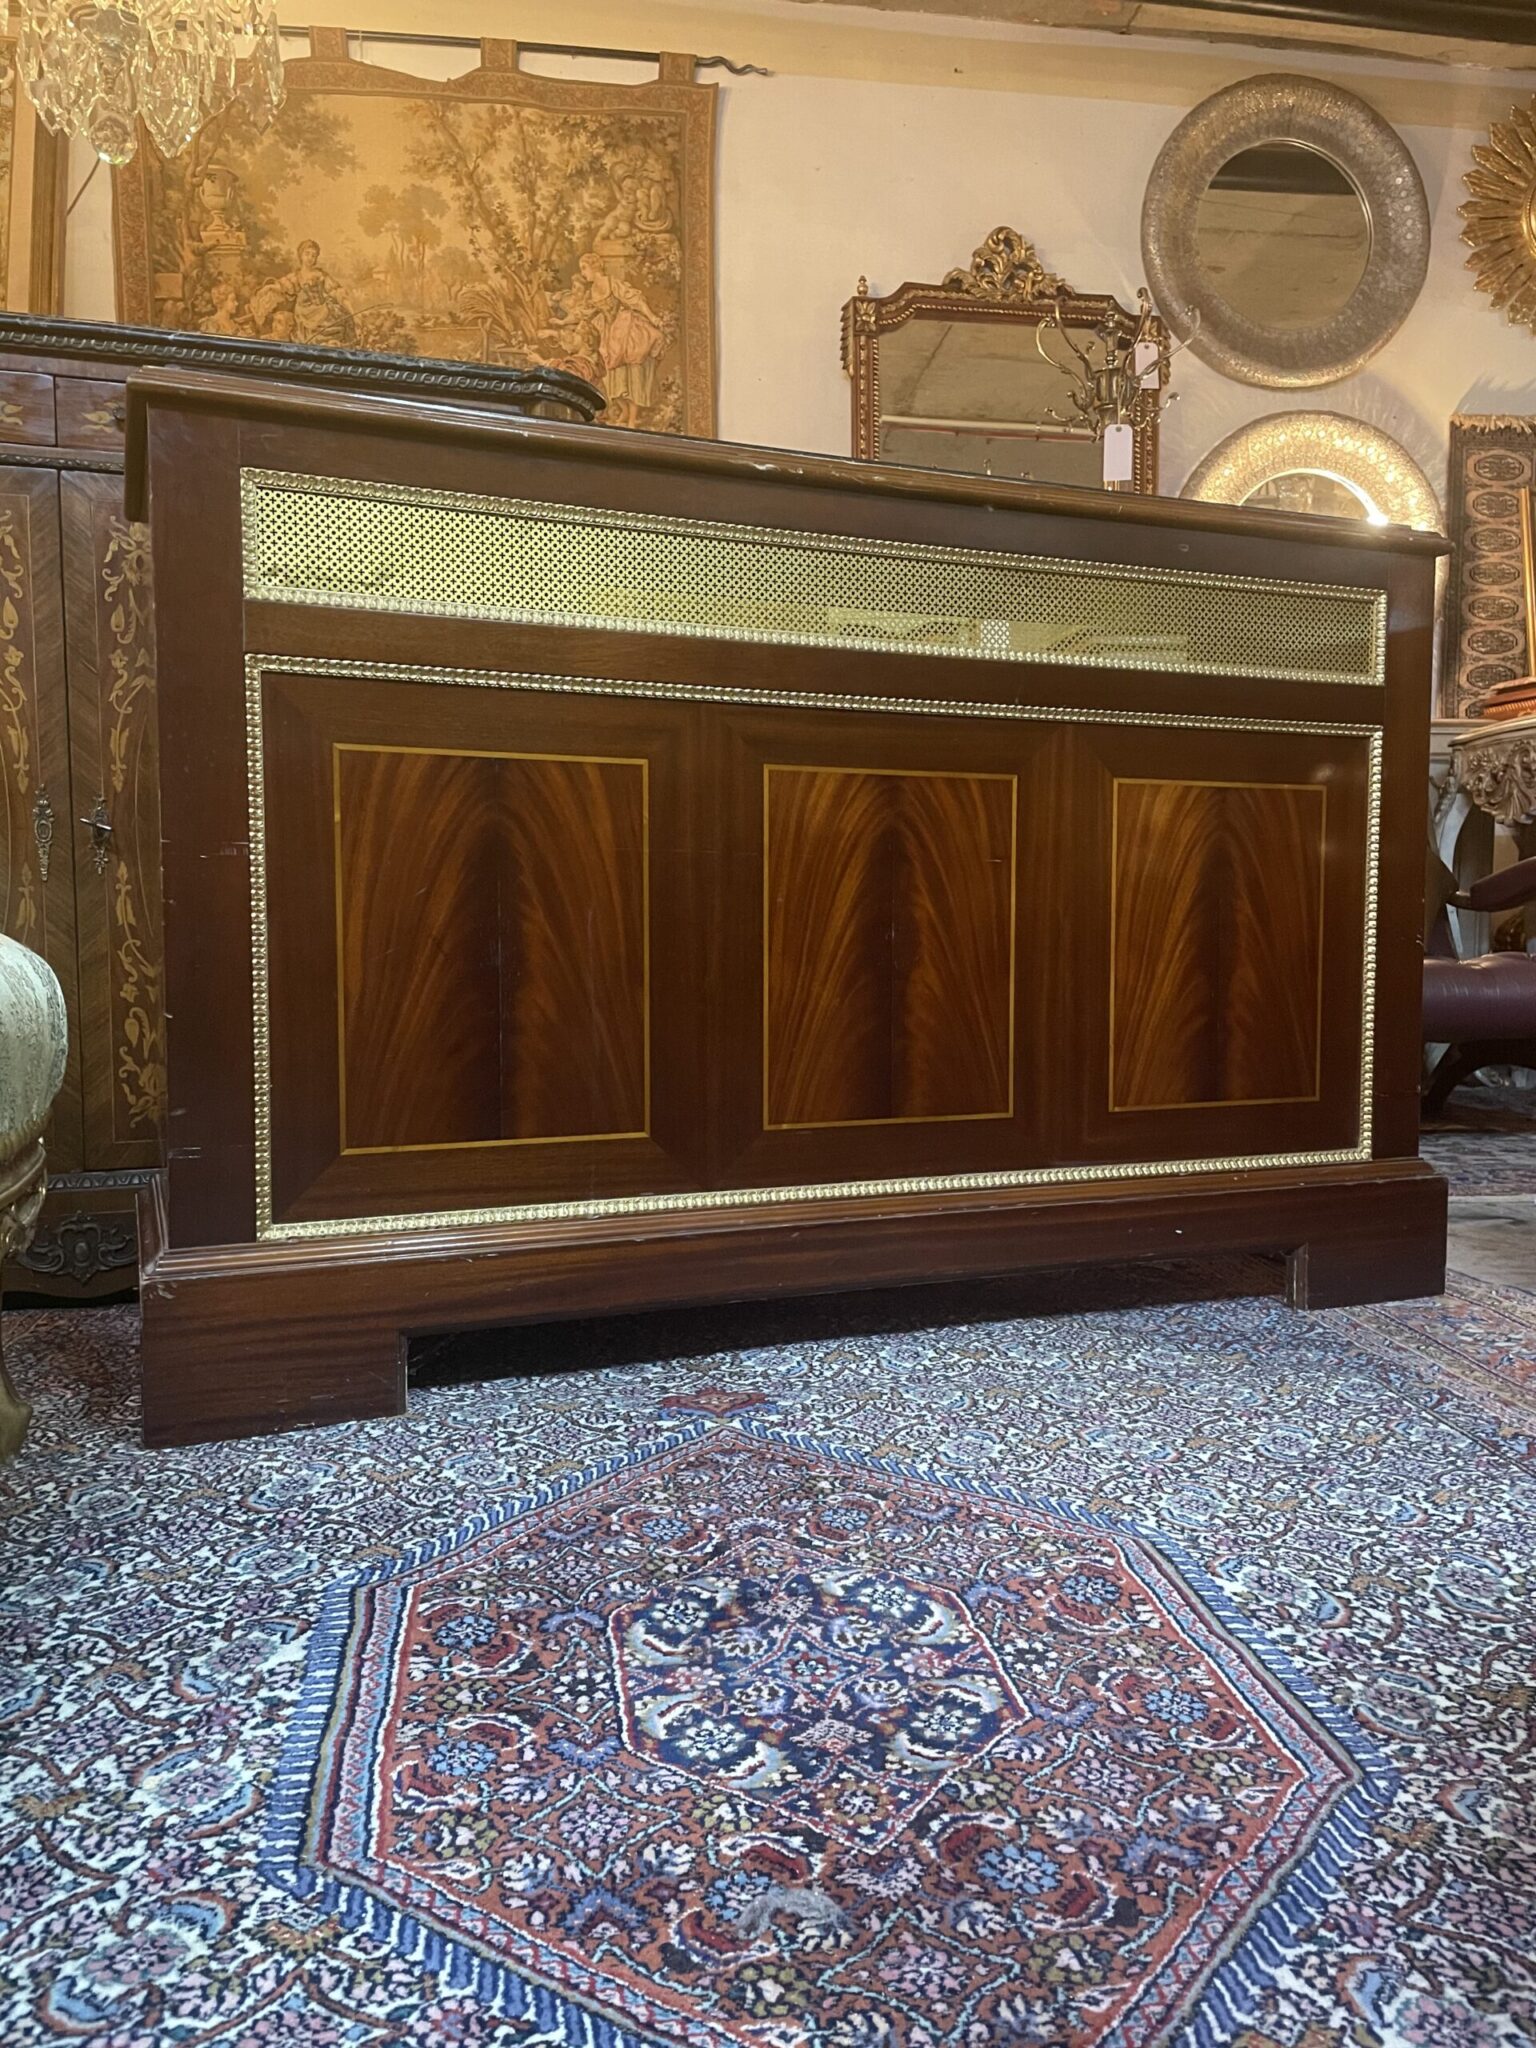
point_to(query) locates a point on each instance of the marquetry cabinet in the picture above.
(606, 871)
(79, 790)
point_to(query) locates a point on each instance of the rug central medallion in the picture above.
(841, 1697)
(742, 1740)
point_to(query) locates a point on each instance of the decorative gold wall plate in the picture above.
(1285, 123)
(1501, 215)
(1318, 462)
(1323, 462)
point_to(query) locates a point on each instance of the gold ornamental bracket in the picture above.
(1007, 267)
(1500, 216)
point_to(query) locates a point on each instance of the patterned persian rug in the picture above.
(1485, 1142)
(1154, 1671)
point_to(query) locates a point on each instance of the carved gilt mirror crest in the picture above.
(977, 374)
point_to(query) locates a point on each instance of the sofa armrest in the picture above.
(1506, 890)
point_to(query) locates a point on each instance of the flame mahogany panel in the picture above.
(463, 882)
(491, 917)
(1218, 943)
(888, 969)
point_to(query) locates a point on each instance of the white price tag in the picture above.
(1119, 455)
(1146, 364)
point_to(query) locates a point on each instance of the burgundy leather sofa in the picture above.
(1482, 1011)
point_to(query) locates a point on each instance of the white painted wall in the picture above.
(890, 150)
(920, 174)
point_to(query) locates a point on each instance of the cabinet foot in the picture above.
(200, 1388)
(1396, 1257)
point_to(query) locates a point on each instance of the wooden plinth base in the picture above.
(248, 1338)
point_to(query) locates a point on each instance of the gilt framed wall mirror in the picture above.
(1285, 231)
(952, 376)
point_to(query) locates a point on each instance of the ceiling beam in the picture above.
(1511, 22)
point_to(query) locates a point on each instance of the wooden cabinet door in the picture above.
(37, 899)
(109, 630)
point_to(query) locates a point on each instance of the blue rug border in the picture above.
(1226, 2000)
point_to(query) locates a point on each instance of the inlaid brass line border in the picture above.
(260, 587)
(340, 747)
(1213, 782)
(257, 666)
(963, 1116)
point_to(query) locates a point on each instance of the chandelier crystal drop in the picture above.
(98, 70)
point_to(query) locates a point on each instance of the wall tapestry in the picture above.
(1489, 616)
(494, 217)
(31, 199)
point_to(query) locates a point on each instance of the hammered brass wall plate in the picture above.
(1501, 215)
(1324, 462)
(1320, 462)
(1285, 232)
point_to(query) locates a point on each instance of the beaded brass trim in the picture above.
(341, 544)
(259, 666)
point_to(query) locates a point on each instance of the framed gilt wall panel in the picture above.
(32, 170)
(494, 217)
(1489, 633)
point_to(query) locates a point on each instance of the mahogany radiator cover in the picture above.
(604, 871)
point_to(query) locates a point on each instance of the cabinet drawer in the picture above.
(90, 413)
(26, 408)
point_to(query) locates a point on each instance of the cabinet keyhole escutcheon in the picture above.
(100, 827)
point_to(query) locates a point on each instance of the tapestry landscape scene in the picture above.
(416, 218)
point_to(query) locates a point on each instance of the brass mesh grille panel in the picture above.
(331, 542)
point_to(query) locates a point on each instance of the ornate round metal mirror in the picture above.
(1317, 462)
(1285, 231)
(1284, 235)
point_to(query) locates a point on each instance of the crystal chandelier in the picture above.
(97, 70)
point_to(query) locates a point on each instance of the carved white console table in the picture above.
(1495, 764)
(1482, 781)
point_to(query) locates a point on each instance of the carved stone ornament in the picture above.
(1497, 771)
(1006, 267)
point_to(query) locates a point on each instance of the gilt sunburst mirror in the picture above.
(1501, 215)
